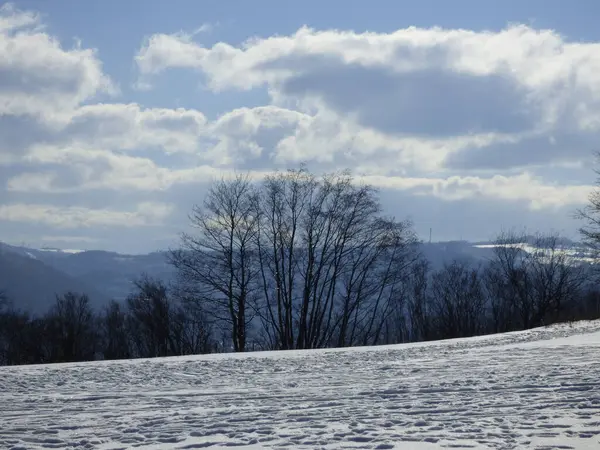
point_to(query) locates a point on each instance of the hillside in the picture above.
(108, 272)
(109, 275)
(537, 389)
(32, 285)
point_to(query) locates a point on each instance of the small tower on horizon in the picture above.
(430, 235)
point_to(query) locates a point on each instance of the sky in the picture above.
(470, 116)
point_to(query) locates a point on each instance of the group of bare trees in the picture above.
(529, 288)
(159, 325)
(529, 281)
(65, 333)
(149, 324)
(297, 261)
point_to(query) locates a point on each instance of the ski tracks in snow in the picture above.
(538, 389)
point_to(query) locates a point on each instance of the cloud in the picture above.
(38, 76)
(130, 127)
(146, 214)
(559, 147)
(541, 59)
(520, 188)
(515, 85)
(68, 239)
(452, 104)
(77, 169)
(11, 19)
(112, 126)
(252, 136)
(533, 191)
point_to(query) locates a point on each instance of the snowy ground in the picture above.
(533, 390)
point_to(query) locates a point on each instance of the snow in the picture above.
(577, 253)
(61, 250)
(538, 389)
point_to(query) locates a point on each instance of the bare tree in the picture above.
(374, 283)
(557, 278)
(280, 207)
(588, 306)
(215, 266)
(150, 319)
(419, 305)
(115, 337)
(502, 299)
(14, 339)
(310, 258)
(590, 215)
(4, 303)
(25, 339)
(458, 300)
(191, 331)
(71, 329)
(531, 279)
(329, 262)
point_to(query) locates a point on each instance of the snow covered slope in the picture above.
(535, 390)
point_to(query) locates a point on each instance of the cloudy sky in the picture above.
(470, 116)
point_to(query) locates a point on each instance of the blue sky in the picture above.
(470, 116)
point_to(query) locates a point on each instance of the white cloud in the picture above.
(39, 77)
(130, 127)
(523, 187)
(88, 169)
(68, 239)
(538, 59)
(84, 169)
(513, 85)
(11, 19)
(146, 213)
(143, 175)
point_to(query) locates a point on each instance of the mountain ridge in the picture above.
(106, 275)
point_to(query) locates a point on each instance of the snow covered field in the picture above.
(538, 389)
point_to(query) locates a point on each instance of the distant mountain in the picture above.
(34, 275)
(32, 285)
(108, 273)
(439, 253)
